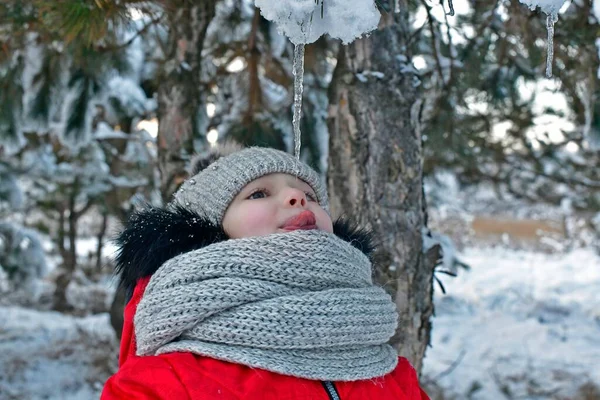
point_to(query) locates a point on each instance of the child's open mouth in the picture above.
(305, 220)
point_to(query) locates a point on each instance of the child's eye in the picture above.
(258, 191)
(262, 193)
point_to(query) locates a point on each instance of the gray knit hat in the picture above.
(210, 191)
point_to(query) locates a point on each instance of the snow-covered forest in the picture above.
(103, 103)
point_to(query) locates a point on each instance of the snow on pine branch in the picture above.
(549, 7)
(304, 21)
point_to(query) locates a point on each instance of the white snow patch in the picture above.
(48, 355)
(129, 94)
(104, 131)
(517, 322)
(547, 6)
(304, 21)
(363, 76)
(89, 245)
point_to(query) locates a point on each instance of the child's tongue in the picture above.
(304, 220)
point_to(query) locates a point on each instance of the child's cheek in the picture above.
(259, 216)
(323, 220)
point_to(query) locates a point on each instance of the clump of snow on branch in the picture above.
(304, 21)
(550, 7)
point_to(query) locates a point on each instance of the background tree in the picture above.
(491, 115)
(68, 134)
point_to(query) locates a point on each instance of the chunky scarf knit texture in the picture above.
(301, 303)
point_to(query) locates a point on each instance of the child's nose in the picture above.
(295, 197)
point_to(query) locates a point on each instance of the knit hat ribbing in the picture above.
(210, 191)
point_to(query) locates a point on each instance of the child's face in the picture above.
(268, 205)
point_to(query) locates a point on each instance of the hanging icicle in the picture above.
(304, 21)
(298, 71)
(550, 20)
(396, 6)
(551, 9)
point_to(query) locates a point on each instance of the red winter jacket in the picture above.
(189, 376)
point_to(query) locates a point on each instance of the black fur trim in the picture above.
(361, 238)
(155, 235)
(200, 162)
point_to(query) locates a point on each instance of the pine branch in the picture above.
(85, 21)
(140, 32)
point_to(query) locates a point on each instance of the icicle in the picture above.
(550, 20)
(298, 70)
(397, 6)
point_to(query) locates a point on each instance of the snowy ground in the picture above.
(48, 355)
(518, 325)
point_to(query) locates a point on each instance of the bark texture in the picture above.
(180, 90)
(375, 171)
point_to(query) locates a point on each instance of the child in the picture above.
(243, 288)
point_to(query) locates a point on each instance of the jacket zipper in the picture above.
(331, 390)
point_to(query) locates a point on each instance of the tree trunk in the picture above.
(375, 171)
(69, 255)
(100, 238)
(179, 91)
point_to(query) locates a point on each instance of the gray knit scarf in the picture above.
(301, 303)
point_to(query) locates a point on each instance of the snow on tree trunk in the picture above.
(375, 171)
(179, 92)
